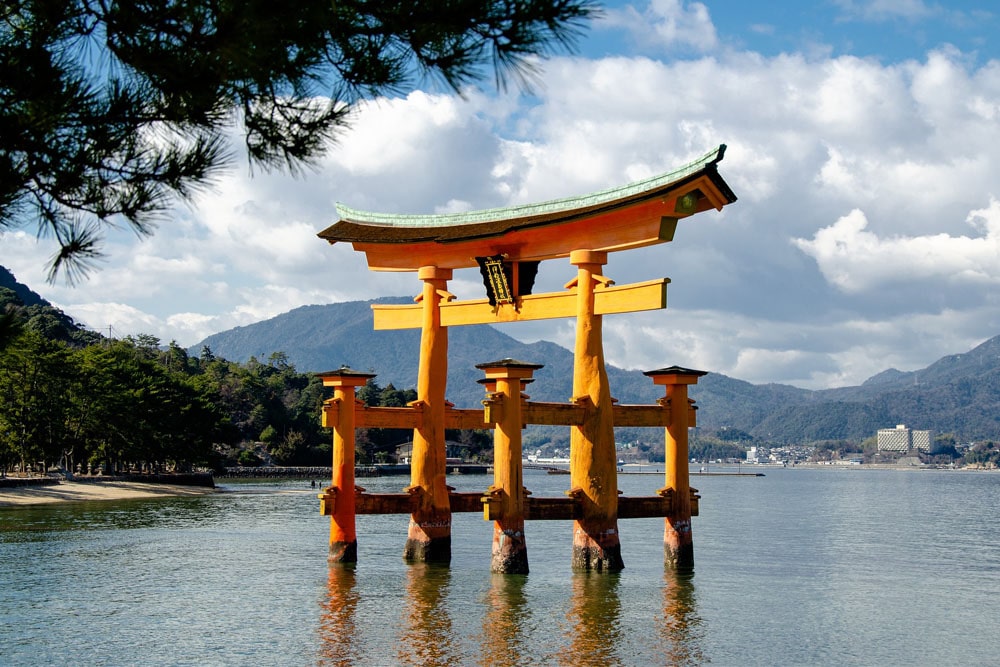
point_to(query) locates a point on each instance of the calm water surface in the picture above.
(800, 567)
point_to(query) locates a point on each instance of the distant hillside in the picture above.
(18, 303)
(318, 338)
(23, 292)
(959, 393)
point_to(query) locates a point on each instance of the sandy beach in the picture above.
(90, 491)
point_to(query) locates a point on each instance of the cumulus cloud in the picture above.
(865, 234)
(855, 259)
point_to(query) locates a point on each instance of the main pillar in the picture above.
(429, 535)
(593, 470)
(340, 493)
(506, 496)
(678, 542)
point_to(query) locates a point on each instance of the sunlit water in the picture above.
(800, 567)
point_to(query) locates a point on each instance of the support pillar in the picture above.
(678, 542)
(506, 499)
(429, 534)
(593, 469)
(340, 493)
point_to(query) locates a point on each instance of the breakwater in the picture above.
(321, 472)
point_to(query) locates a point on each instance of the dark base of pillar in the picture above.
(679, 557)
(596, 547)
(510, 553)
(433, 550)
(598, 559)
(343, 552)
(678, 543)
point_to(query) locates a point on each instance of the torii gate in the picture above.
(506, 245)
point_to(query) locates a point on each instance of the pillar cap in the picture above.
(508, 368)
(434, 273)
(577, 257)
(344, 377)
(675, 375)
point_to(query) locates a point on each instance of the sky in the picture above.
(863, 143)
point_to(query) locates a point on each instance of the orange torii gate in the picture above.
(507, 246)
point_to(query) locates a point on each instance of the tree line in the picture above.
(74, 399)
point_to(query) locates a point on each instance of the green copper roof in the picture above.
(555, 206)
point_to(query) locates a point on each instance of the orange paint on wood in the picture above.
(343, 535)
(608, 300)
(429, 534)
(645, 224)
(593, 463)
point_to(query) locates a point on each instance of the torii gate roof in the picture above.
(631, 216)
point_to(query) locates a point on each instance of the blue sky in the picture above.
(864, 147)
(888, 30)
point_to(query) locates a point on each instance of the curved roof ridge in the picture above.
(432, 220)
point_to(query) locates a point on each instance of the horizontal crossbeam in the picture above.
(631, 298)
(535, 509)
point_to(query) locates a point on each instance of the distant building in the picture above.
(902, 439)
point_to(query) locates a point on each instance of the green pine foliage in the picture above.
(112, 110)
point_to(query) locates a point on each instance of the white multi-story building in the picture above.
(902, 439)
(922, 440)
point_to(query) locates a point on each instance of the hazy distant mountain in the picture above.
(959, 393)
(318, 338)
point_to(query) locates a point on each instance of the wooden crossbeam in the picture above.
(465, 419)
(553, 414)
(534, 412)
(641, 415)
(536, 508)
(634, 297)
(411, 416)
(386, 503)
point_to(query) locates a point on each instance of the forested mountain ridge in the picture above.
(37, 314)
(959, 393)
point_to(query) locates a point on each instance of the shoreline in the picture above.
(90, 491)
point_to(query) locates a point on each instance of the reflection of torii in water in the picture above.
(506, 245)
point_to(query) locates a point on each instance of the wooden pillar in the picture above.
(678, 542)
(506, 499)
(429, 535)
(339, 415)
(593, 470)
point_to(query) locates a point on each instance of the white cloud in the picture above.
(854, 259)
(668, 23)
(865, 235)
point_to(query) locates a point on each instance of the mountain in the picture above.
(23, 292)
(18, 303)
(319, 338)
(959, 393)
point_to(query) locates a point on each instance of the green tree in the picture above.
(133, 410)
(109, 109)
(35, 379)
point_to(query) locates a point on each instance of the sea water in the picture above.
(798, 567)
